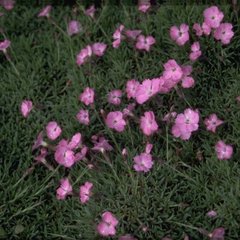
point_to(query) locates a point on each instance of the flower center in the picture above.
(187, 121)
(115, 121)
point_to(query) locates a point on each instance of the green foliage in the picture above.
(179, 190)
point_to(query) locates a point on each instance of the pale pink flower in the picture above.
(84, 55)
(144, 42)
(83, 116)
(131, 88)
(187, 81)
(99, 48)
(223, 151)
(224, 33)
(101, 144)
(213, 16)
(196, 53)
(90, 11)
(80, 155)
(7, 4)
(117, 36)
(39, 141)
(204, 29)
(212, 122)
(211, 213)
(4, 45)
(53, 130)
(172, 71)
(108, 224)
(148, 123)
(26, 107)
(64, 189)
(74, 27)
(181, 35)
(132, 34)
(45, 12)
(114, 97)
(87, 96)
(144, 5)
(75, 142)
(85, 192)
(143, 162)
(148, 148)
(115, 120)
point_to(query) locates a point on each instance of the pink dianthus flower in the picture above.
(223, 151)
(117, 36)
(45, 12)
(224, 33)
(53, 130)
(115, 120)
(83, 116)
(74, 27)
(212, 122)
(172, 71)
(26, 107)
(87, 96)
(114, 97)
(148, 123)
(143, 162)
(181, 36)
(196, 53)
(99, 48)
(144, 42)
(108, 224)
(85, 192)
(64, 189)
(131, 88)
(213, 16)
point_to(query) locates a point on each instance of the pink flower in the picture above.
(84, 55)
(83, 116)
(114, 97)
(187, 82)
(223, 151)
(87, 96)
(128, 111)
(131, 88)
(80, 155)
(143, 5)
(213, 17)
(85, 192)
(74, 27)
(76, 141)
(90, 11)
(39, 141)
(199, 30)
(4, 45)
(26, 107)
(64, 189)
(127, 237)
(101, 144)
(117, 36)
(172, 71)
(224, 33)
(108, 224)
(212, 122)
(196, 53)
(41, 159)
(181, 35)
(7, 4)
(217, 234)
(132, 34)
(143, 162)
(99, 48)
(53, 130)
(148, 123)
(166, 117)
(45, 12)
(211, 213)
(115, 120)
(147, 89)
(144, 42)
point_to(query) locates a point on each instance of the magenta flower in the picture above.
(144, 42)
(114, 97)
(213, 16)
(196, 53)
(7, 4)
(117, 36)
(224, 33)
(39, 141)
(223, 151)
(90, 11)
(172, 71)
(132, 34)
(99, 48)
(85, 192)
(53, 130)
(181, 35)
(115, 120)
(74, 27)
(204, 29)
(4, 45)
(84, 55)
(212, 122)
(108, 224)
(148, 123)
(131, 88)
(83, 116)
(101, 144)
(187, 81)
(45, 12)
(87, 96)
(143, 162)
(64, 189)
(211, 213)
(144, 5)
(26, 108)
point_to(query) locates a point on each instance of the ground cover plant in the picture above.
(120, 122)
